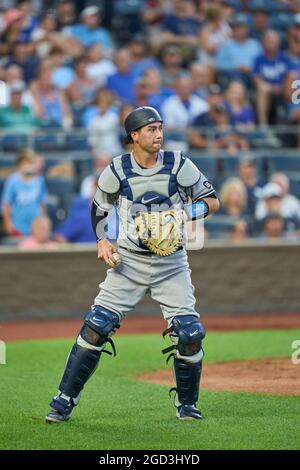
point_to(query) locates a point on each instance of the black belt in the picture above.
(144, 253)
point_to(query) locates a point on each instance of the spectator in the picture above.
(208, 120)
(290, 205)
(17, 117)
(50, 103)
(152, 17)
(62, 74)
(181, 26)
(201, 78)
(44, 36)
(260, 20)
(89, 31)
(180, 110)
(24, 196)
(77, 228)
(213, 34)
(141, 59)
(121, 83)
(270, 202)
(98, 67)
(229, 9)
(221, 136)
(241, 113)
(273, 227)
(171, 64)
(276, 197)
(141, 92)
(233, 197)
(29, 21)
(66, 14)
(247, 172)
(235, 59)
(293, 37)
(13, 74)
(12, 25)
(23, 57)
(157, 93)
(103, 129)
(270, 71)
(82, 90)
(238, 230)
(40, 235)
(125, 18)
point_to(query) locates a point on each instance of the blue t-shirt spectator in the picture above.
(77, 228)
(63, 76)
(272, 70)
(25, 198)
(122, 85)
(235, 54)
(88, 36)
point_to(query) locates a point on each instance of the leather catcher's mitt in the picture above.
(161, 232)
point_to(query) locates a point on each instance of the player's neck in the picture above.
(145, 159)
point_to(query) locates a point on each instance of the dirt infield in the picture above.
(271, 376)
(47, 329)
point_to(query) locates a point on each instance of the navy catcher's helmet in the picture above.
(138, 118)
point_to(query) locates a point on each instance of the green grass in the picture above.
(118, 412)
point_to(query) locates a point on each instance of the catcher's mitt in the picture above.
(161, 232)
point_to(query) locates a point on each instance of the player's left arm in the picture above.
(213, 204)
(199, 191)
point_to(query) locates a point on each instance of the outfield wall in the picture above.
(247, 278)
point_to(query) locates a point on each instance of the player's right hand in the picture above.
(105, 252)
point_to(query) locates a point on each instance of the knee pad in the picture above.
(99, 325)
(187, 333)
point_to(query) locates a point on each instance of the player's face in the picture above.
(150, 137)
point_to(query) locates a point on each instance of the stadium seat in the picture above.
(14, 142)
(50, 141)
(286, 163)
(77, 141)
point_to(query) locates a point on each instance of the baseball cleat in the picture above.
(61, 410)
(188, 412)
(55, 417)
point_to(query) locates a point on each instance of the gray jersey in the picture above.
(172, 182)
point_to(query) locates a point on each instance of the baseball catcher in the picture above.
(156, 192)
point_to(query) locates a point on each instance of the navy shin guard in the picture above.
(187, 377)
(81, 364)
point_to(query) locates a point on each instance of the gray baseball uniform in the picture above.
(174, 180)
(172, 183)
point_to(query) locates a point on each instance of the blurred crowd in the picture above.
(222, 73)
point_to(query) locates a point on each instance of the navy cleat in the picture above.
(188, 412)
(61, 410)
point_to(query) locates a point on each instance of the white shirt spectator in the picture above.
(103, 134)
(99, 71)
(177, 115)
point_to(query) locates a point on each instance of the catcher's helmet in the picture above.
(138, 118)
